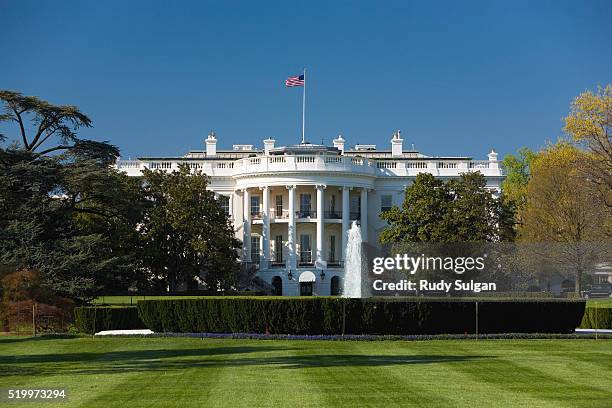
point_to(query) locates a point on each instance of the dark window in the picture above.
(335, 286)
(224, 201)
(305, 249)
(279, 206)
(255, 205)
(332, 249)
(255, 240)
(305, 201)
(306, 288)
(277, 286)
(278, 249)
(386, 202)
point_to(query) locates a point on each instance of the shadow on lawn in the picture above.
(202, 358)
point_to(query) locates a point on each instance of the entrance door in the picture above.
(306, 288)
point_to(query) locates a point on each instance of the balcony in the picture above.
(333, 214)
(355, 215)
(256, 215)
(279, 214)
(306, 213)
(305, 258)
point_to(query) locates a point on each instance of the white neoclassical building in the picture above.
(292, 206)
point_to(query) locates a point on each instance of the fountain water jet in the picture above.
(353, 264)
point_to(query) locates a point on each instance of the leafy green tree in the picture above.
(462, 210)
(514, 187)
(187, 235)
(565, 213)
(64, 211)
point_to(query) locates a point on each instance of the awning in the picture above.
(307, 277)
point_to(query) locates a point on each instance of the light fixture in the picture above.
(290, 275)
(322, 274)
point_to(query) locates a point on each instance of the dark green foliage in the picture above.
(461, 210)
(358, 316)
(94, 319)
(597, 318)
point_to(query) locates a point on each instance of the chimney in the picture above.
(211, 145)
(339, 143)
(268, 145)
(397, 144)
(493, 162)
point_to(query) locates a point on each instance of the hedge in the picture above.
(597, 318)
(94, 319)
(314, 316)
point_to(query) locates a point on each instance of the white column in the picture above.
(246, 226)
(266, 226)
(291, 232)
(320, 258)
(346, 208)
(364, 214)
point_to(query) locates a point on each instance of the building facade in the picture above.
(292, 206)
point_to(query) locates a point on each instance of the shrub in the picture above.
(359, 316)
(94, 319)
(597, 318)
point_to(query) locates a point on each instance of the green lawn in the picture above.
(182, 372)
(604, 302)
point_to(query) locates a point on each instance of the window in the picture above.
(305, 205)
(255, 240)
(225, 203)
(332, 203)
(255, 205)
(332, 249)
(305, 249)
(386, 202)
(277, 286)
(278, 249)
(306, 288)
(335, 286)
(279, 205)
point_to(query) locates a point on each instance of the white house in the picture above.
(292, 205)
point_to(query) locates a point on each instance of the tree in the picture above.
(187, 235)
(462, 210)
(51, 123)
(590, 123)
(64, 211)
(564, 212)
(514, 186)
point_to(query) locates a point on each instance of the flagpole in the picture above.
(304, 108)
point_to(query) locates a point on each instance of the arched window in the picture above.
(335, 286)
(277, 284)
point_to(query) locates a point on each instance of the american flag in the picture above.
(295, 81)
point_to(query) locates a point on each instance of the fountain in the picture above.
(353, 264)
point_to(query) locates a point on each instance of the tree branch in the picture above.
(22, 129)
(61, 147)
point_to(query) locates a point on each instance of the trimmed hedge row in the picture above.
(94, 319)
(359, 316)
(597, 318)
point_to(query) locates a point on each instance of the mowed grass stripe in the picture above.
(180, 372)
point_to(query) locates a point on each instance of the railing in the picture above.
(281, 214)
(305, 258)
(334, 263)
(333, 214)
(355, 215)
(277, 264)
(321, 163)
(256, 215)
(306, 214)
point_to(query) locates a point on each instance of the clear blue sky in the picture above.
(456, 77)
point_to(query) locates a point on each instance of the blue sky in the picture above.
(456, 77)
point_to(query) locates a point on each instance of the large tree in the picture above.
(590, 123)
(517, 169)
(461, 210)
(64, 211)
(44, 128)
(187, 236)
(565, 221)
